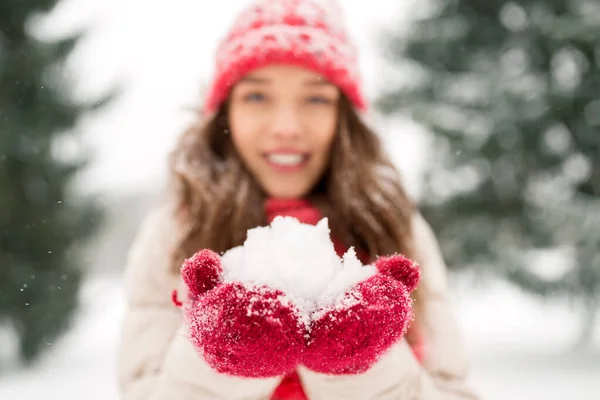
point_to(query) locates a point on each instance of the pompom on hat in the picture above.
(304, 33)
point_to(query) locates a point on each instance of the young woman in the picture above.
(281, 133)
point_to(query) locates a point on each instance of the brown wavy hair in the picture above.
(218, 200)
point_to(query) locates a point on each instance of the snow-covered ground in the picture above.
(522, 348)
(519, 350)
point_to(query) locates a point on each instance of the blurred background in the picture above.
(490, 109)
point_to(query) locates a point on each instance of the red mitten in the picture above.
(350, 335)
(240, 329)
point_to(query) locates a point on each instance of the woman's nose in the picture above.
(286, 122)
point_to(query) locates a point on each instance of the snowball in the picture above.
(298, 259)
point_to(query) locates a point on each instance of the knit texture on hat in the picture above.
(305, 33)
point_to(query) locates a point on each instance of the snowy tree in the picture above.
(41, 220)
(510, 91)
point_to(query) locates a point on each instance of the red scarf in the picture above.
(290, 387)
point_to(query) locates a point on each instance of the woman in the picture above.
(281, 134)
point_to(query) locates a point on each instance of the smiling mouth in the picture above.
(287, 162)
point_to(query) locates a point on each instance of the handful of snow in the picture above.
(299, 260)
(286, 298)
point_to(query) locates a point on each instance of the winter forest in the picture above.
(490, 109)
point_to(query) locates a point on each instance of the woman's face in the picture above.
(283, 120)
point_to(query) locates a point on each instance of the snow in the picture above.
(298, 259)
(82, 365)
(522, 347)
(352, 272)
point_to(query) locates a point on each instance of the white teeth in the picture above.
(285, 159)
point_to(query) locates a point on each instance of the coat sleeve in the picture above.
(156, 360)
(398, 375)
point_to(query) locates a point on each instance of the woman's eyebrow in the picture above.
(254, 79)
(317, 82)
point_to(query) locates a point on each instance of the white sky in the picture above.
(163, 51)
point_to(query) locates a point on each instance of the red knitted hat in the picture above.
(306, 33)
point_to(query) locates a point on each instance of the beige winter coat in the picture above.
(158, 363)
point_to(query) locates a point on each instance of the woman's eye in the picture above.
(319, 100)
(254, 97)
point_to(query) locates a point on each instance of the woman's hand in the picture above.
(350, 334)
(239, 329)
